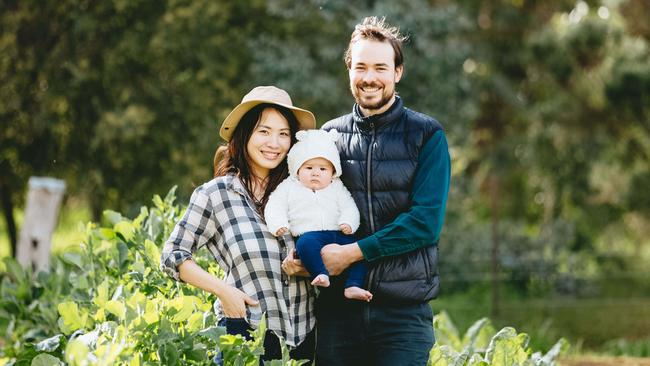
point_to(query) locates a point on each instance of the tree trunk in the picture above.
(494, 205)
(97, 198)
(96, 209)
(8, 211)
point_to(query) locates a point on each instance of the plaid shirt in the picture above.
(221, 217)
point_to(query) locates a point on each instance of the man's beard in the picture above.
(385, 98)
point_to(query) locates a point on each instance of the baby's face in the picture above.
(316, 173)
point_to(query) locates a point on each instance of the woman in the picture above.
(225, 215)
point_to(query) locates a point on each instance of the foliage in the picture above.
(104, 93)
(545, 176)
(480, 346)
(107, 302)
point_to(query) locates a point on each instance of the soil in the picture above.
(604, 361)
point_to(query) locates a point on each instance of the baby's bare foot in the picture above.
(321, 280)
(357, 293)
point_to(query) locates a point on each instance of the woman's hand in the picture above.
(294, 267)
(234, 302)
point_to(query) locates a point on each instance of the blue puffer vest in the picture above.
(379, 156)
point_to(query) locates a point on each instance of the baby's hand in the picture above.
(281, 231)
(346, 229)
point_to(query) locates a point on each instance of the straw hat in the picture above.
(265, 94)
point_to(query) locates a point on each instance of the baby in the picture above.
(314, 205)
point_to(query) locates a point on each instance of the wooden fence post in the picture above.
(41, 215)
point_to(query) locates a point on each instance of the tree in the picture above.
(117, 97)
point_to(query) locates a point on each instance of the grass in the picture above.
(590, 324)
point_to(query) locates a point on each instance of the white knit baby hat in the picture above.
(314, 144)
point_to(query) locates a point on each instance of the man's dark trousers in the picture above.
(358, 333)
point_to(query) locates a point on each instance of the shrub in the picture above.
(480, 346)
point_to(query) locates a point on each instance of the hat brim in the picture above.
(306, 119)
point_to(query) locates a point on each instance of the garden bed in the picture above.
(604, 361)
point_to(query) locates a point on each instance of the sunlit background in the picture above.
(546, 105)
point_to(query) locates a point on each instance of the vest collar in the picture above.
(393, 113)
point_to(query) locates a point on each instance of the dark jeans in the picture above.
(272, 350)
(309, 245)
(356, 333)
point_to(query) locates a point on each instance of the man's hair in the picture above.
(376, 29)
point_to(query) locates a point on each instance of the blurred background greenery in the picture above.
(546, 106)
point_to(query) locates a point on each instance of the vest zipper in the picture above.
(371, 274)
(368, 178)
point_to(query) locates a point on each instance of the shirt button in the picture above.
(286, 282)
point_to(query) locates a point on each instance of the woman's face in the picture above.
(269, 143)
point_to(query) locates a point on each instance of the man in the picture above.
(395, 162)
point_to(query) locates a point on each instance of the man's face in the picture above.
(373, 75)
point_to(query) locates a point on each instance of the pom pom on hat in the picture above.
(314, 144)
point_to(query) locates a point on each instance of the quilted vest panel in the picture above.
(379, 156)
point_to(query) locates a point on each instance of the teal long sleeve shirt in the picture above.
(421, 225)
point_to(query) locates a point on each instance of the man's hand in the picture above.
(339, 257)
(281, 231)
(345, 229)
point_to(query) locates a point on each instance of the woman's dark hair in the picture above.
(233, 157)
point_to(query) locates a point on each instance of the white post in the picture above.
(41, 214)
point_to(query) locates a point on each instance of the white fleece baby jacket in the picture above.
(300, 209)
